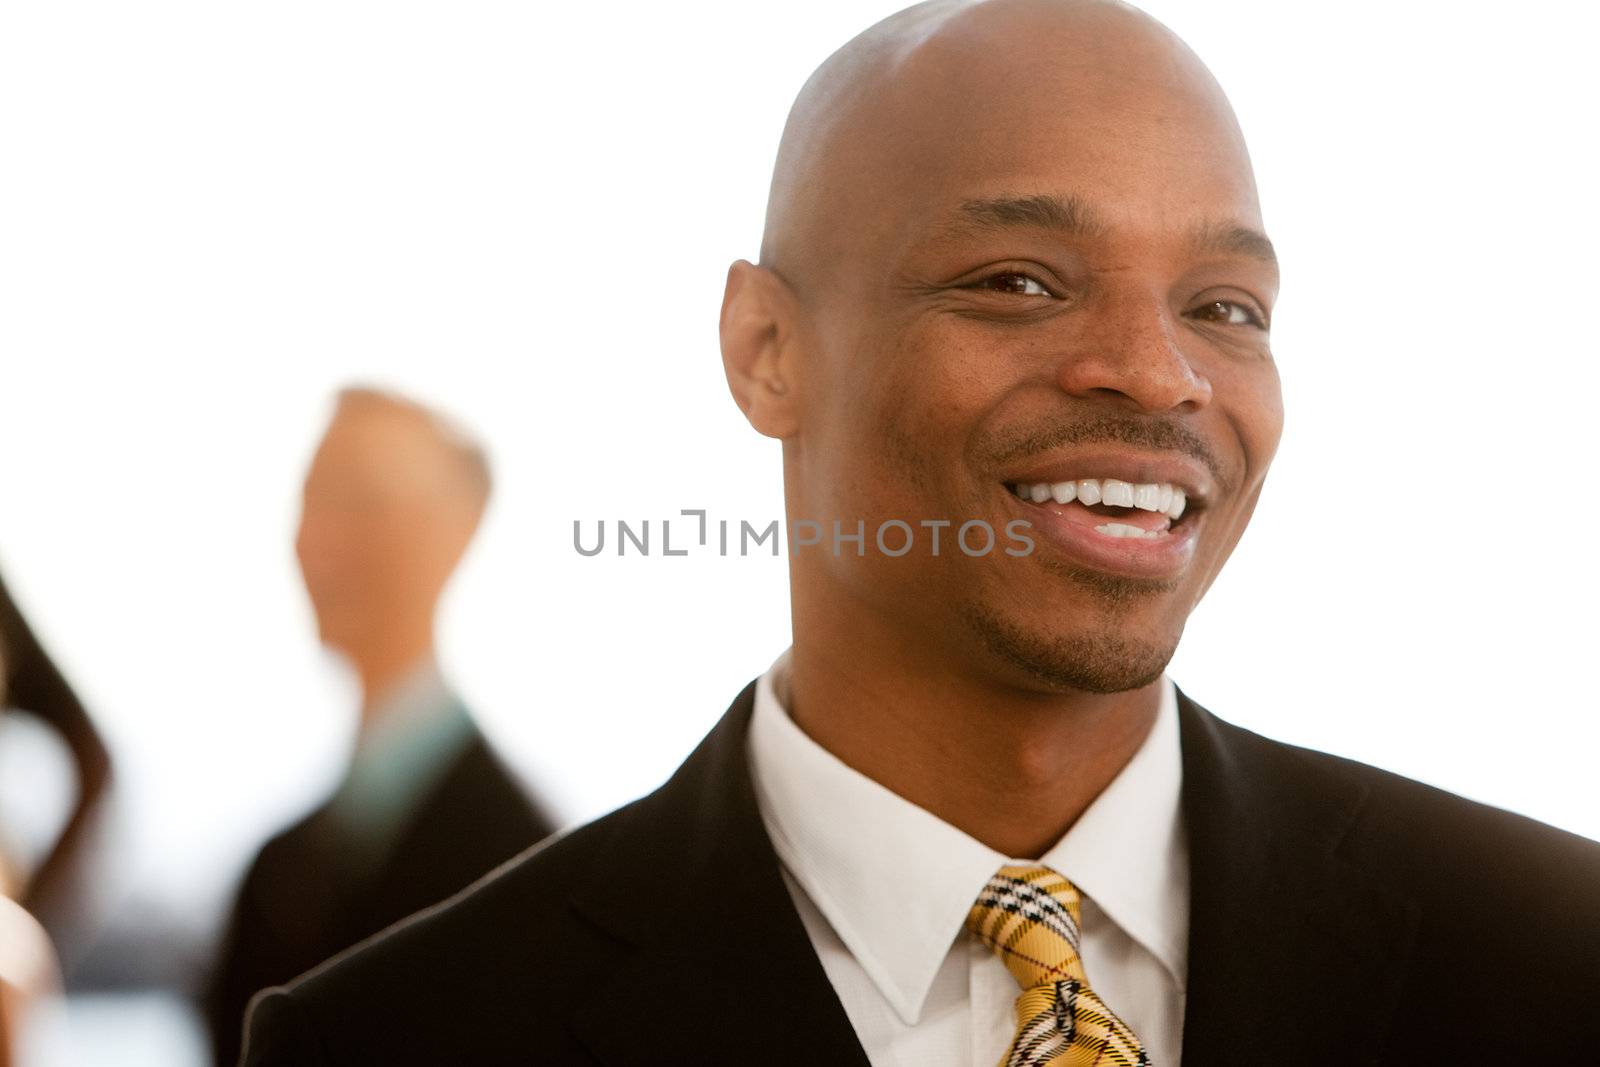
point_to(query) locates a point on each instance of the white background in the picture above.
(213, 215)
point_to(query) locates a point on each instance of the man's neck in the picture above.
(1010, 767)
(383, 667)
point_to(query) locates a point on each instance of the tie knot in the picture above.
(1028, 916)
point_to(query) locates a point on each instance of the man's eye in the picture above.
(1229, 313)
(1011, 281)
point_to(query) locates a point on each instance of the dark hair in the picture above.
(30, 680)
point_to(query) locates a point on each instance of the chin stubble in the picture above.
(1096, 662)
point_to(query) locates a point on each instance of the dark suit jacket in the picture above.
(301, 902)
(1340, 915)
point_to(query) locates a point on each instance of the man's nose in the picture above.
(1133, 354)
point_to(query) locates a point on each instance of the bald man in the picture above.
(1014, 280)
(391, 502)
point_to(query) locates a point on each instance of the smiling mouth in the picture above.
(1148, 511)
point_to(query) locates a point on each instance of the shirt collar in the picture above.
(413, 732)
(844, 838)
(403, 705)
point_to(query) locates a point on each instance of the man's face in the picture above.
(363, 536)
(1061, 282)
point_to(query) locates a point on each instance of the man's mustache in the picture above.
(1146, 432)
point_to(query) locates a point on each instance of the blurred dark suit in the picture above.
(313, 892)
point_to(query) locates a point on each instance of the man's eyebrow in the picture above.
(1233, 239)
(1071, 215)
(1067, 214)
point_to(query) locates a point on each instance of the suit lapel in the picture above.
(1295, 956)
(716, 966)
(472, 818)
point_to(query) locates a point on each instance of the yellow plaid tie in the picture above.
(1029, 917)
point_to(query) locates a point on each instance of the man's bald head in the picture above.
(875, 124)
(451, 458)
(1012, 242)
(392, 499)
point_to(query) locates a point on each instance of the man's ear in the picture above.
(758, 353)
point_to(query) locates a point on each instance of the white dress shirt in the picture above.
(884, 887)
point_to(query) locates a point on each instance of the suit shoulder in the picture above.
(282, 1033)
(286, 845)
(447, 969)
(526, 893)
(1435, 838)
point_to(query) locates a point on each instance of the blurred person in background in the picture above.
(25, 966)
(29, 977)
(391, 502)
(30, 981)
(54, 776)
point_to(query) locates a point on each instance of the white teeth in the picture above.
(1147, 497)
(1160, 498)
(1119, 529)
(1117, 494)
